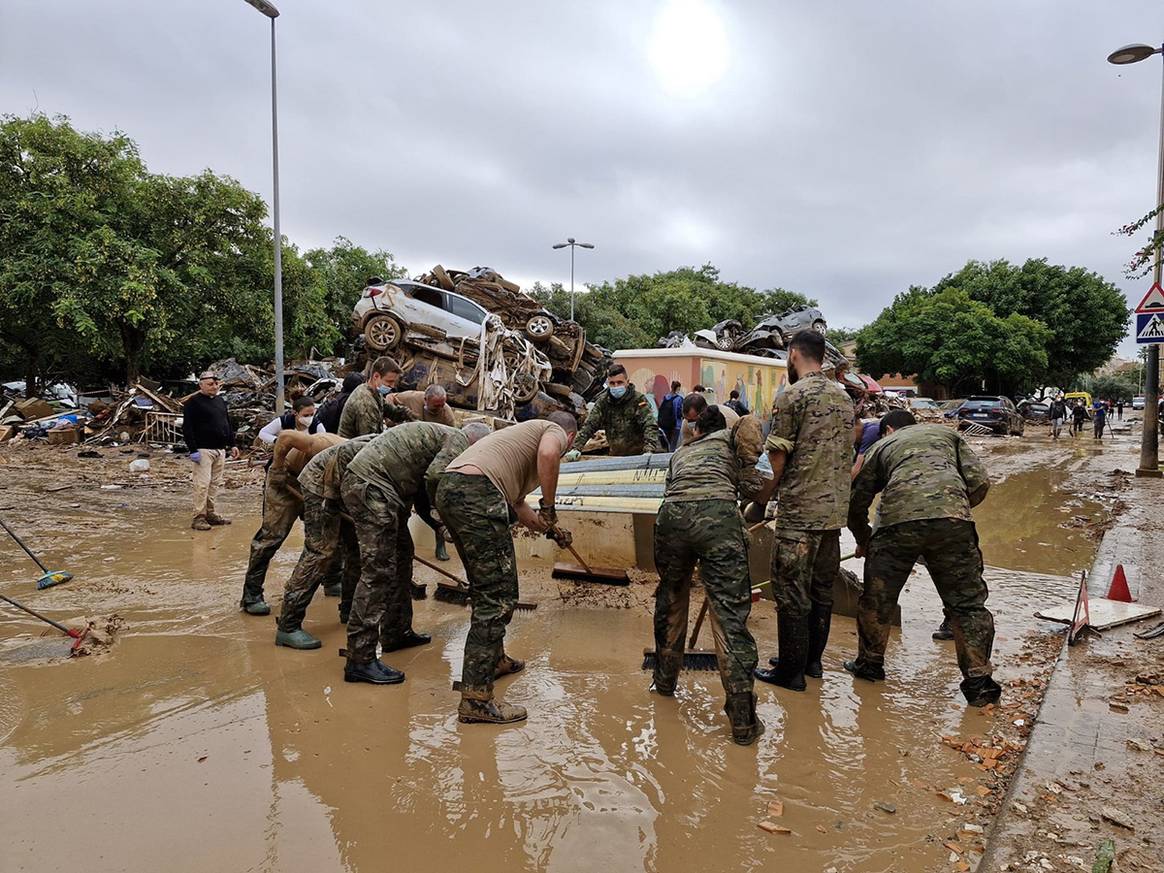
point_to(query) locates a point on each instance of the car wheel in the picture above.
(539, 328)
(382, 333)
(525, 388)
(820, 327)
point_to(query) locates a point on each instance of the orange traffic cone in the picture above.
(1119, 586)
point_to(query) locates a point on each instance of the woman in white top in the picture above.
(303, 411)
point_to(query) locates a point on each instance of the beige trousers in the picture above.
(207, 480)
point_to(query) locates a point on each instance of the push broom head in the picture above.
(53, 577)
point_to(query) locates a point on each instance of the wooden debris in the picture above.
(773, 828)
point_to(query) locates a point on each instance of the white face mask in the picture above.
(305, 421)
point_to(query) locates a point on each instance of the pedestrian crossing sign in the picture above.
(1149, 328)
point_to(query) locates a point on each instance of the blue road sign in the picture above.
(1149, 328)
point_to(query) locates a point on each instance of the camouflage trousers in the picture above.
(328, 540)
(709, 533)
(281, 508)
(477, 518)
(382, 602)
(950, 549)
(804, 565)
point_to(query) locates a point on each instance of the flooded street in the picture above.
(195, 744)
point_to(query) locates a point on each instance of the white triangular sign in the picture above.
(1153, 329)
(1153, 301)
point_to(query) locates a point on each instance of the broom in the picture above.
(49, 577)
(77, 635)
(693, 659)
(458, 594)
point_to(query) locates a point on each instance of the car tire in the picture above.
(525, 388)
(539, 328)
(382, 333)
(820, 326)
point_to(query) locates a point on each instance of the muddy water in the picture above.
(197, 745)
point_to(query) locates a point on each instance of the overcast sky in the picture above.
(845, 149)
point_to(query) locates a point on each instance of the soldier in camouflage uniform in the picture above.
(365, 410)
(699, 523)
(282, 507)
(327, 539)
(478, 495)
(378, 489)
(624, 414)
(928, 478)
(810, 447)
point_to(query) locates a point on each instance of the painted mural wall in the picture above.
(758, 381)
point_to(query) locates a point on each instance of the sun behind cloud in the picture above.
(688, 47)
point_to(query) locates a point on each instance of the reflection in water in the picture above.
(198, 745)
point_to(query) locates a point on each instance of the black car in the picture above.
(997, 413)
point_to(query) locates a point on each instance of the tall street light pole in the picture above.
(1150, 438)
(269, 10)
(573, 244)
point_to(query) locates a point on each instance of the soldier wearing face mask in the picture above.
(624, 414)
(365, 410)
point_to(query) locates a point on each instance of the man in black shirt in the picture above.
(209, 436)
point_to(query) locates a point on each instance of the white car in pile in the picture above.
(386, 311)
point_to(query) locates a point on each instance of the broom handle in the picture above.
(20, 543)
(699, 622)
(578, 558)
(33, 612)
(445, 573)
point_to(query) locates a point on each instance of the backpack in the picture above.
(667, 413)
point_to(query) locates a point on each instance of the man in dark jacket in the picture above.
(671, 416)
(209, 437)
(329, 414)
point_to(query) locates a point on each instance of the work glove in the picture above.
(548, 514)
(573, 455)
(561, 536)
(196, 457)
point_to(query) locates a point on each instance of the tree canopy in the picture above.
(635, 311)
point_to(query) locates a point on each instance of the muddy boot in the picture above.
(407, 641)
(508, 665)
(478, 706)
(865, 671)
(216, 520)
(333, 589)
(981, 691)
(374, 672)
(819, 622)
(256, 607)
(442, 553)
(788, 668)
(296, 639)
(741, 712)
(943, 632)
(666, 676)
(200, 523)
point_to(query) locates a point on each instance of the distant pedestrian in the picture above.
(1120, 409)
(1078, 416)
(737, 405)
(1058, 416)
(1100, 419)
(671, 415)
(209, 437)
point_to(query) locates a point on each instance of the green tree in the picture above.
(948, 338)
(1087, 315)
(839, 335)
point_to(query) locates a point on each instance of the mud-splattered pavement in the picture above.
(195, 744)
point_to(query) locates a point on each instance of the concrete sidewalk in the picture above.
(1094, 765)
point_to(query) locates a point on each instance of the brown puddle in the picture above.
(197, 745)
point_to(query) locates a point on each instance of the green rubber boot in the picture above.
(296, 639)
(442, 554)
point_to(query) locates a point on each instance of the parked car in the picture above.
(925, 404)
(950, 407)
(386, 311)
(1138, 402)
(1035, 410)
(995, 412)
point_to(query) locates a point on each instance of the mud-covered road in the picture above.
(194, 744)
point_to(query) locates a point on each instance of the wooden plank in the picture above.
(1104, 613)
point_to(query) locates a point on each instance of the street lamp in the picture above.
(269, 10)
(573, 245)
(1150, 439)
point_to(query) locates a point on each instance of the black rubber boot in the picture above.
(981, 691)
(943, 632)
(410, 639)
(376, 672)
(741, 712)
(442, 553)
(820, 620)
(666, 674)
(793, 645)
(865, 671)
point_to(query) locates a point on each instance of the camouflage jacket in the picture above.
(813, 424)
(365, 412)
(629, 423)
(709, 468)
(922, 471)
(402, 458)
